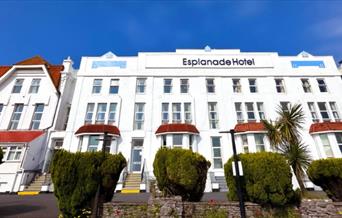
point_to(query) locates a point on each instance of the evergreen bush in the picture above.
(327, 173)
(267, 180)
(76, 177)
(181, 172)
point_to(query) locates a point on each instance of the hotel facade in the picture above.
(185, 99)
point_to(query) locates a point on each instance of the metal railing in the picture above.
(143, 170)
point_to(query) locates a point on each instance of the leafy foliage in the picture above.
(181, 172)
(267, 179)
(76, 177)
(327, 173)
(284, 135)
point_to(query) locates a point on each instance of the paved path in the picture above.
(38, 206)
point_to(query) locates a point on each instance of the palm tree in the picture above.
(284, 136)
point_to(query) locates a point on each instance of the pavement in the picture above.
(45, 205)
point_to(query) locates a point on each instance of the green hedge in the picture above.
(181, 172)
(76, 177)
(327, 173)
(267, 180)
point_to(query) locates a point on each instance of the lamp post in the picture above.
(103, 151)
(237, 177)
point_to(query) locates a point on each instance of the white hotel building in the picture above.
(185, 98)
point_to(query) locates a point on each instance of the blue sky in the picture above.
(57, 29)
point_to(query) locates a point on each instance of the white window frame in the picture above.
(184, 86)
(165, 113)
(37, 116)
(112, 113)
(176, 138)
(97, 86)
(236, 86)
(261, 110)
(259, 147)
(18, 85)
(93, 147)
(139, 118)
(16, 150)
(176, 112)
(167, 86)
(253, 88)
(324, 111)
(244, 143)
(326, 147)
(88, 119)
(1, 108)
(210, 82)
(213, 115)
(34, 88)
(187, 112)
(101, 113)
(280, 85)
(141, 86)
(322, 86)
(285, 105)
(249, 112)
(218, 157)
(306, 85)
(313, 112)
(239, 112)
(114, 86)
(339, 143)
(16, 115)
(334, 111)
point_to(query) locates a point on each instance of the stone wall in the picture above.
(174, 207)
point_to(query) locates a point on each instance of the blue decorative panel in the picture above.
(296, 64)
(98, 64)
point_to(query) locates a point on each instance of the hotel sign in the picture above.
(207, 61)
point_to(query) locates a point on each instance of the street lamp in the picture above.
(237, 177)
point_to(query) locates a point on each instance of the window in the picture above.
(1, 108)
(18, 109)
(18, 84)
(252, 85)
(34, 86)
(167, 85)
(261, 111)
(280, 85)
(191, 141)
(89, 114)
(244, 143)
(184, 85)
(164, 140)
(213, 118)
(334, 111)
(66, 117)
(176, 113)
(210, 86)
(101, 113)
(326, 145)
(324, 111)
(306, 85)
(97, 86)
(322, 86)
(313, 112)
(187, 112)
(37, 116)
(250, 111)
(239, 113)
(217, 157)
(259, 141)
(139, 116)
(339, 140)
(141, 84)
(177, 139)
(14, 153)
(165, 112)
(236, 86)
(114, 86)
(285, 105)
(93, 143)
(112, 113)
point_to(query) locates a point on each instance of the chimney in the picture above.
(67, 63)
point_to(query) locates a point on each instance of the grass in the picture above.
(315, 195)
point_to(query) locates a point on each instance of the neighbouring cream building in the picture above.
(34, 100)
(185, 98)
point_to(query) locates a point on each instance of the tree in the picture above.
(284, 136)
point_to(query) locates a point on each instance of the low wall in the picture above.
(174, 207)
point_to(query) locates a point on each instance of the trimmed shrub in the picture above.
(327, 173)
(181, 172)
(76, 177)
(267, 180)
